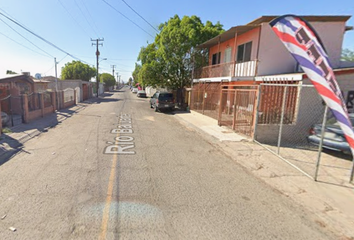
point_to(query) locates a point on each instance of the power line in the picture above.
(119, 64)
(24, 45)
(97, 59)
(119, 70)
(121, 59)
(140, 16)
(85, 17)
(46, 41)
(126, 17)
(73, 18)
(113, 66)
(26, 38)
(54, 65)
(62, 58)
(94, 24)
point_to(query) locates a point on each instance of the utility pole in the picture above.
(113, 66)
(56, 83)
(118, 79)
(97, 57)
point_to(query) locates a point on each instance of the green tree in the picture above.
(78, 70)
(347, 55)
(10, 72)
(136, 74)
(107, 79)
(170, 59)
(151, 70)
(130, 81)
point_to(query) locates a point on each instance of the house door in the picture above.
(85, 92)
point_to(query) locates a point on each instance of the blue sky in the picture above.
(70, 25)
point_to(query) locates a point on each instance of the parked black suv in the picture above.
(162, 101)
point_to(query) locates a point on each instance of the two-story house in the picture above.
(245, 56)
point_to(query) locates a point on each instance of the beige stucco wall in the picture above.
(64, 84)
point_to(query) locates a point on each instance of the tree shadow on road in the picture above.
(12, 142)
(102, 99)
(9, 148)
(177, 111)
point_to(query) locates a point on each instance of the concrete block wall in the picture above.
(310, 110)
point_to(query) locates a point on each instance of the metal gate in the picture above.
(205, 97)
(238, 108)
(11, 110)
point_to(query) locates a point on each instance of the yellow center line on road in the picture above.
(105, 216)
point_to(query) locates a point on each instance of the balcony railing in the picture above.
(232, 69)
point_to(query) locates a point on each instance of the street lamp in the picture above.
(97, 78)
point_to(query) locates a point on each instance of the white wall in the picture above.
(64, 84)
(274, 58)
(101, 89)
(151, 91)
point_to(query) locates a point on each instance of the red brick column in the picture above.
(62, 99)
(75, 96)
(54, 100)
(0, 121)
(25, 108)
(42, 103)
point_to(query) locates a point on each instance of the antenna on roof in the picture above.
(38, 76)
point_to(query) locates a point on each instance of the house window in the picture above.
(216, 58)
(227, 56)
(244, 52)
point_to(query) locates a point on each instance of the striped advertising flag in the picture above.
(306, 47)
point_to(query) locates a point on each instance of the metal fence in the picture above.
(238, 108)
(47, 98)
(34, 101)
(205, 98)
(12, 110)
(286, 114)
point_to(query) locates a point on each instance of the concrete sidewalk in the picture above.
(331, 204)
(12, 142)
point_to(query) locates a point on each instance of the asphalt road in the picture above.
(118, 170)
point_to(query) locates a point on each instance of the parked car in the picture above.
(135, 90)
(334, 138)
(5, 119)
(162, 101)
(141, 94)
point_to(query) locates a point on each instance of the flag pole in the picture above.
(321, 142)
(352, 171)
